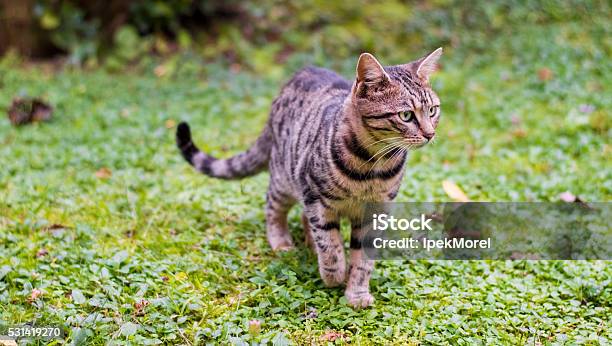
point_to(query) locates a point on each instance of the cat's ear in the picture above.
(427, 65)
(369, 70)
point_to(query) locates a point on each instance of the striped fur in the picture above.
(332, 145)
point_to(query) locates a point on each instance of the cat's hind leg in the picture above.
(308, 240)
(278, 204)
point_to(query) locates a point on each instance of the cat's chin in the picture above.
(416, 146)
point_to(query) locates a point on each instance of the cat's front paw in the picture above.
(359, 299)
(333, 276)
(281, 244)
(284, 248)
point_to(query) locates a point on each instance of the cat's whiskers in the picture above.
(396, 144)
(382, 154)
(383, 151)
(404, 145)
(382, 140)
(398, 155)
(404, 151)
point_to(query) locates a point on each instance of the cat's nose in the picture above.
(429, 136)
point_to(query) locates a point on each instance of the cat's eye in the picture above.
(407, 116)
(432, 111)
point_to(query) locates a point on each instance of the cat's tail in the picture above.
(245, 164)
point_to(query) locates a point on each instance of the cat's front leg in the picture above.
(325, 231)
(360, 270)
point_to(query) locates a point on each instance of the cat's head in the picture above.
(397, 102)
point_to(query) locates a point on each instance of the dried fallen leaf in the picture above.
(34, 295)
(170, 123)
(332, 336)
(104, 173)
(453, 191)
(567, 197)
(160, 70)
(519, 133)
(571, 198)
(545, 74)
(140, 306)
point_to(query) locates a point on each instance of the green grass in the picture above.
(194, 248)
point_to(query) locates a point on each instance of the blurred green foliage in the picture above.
(254, 34)
(69, 29)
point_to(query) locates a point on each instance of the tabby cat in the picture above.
(332, 146)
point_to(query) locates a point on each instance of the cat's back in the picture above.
(311, 79)
(312, 92)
